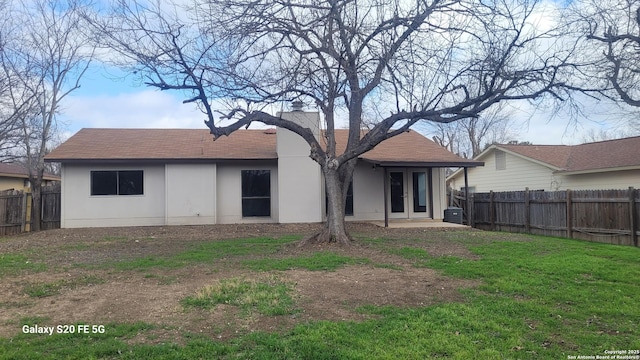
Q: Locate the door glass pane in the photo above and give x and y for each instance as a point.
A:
(419, 192)
(397, 192)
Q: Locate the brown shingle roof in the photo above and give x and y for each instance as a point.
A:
(196, 144)
(164, 144)
(409, 147)
(19, 171)
(602, 155)
(554, 155)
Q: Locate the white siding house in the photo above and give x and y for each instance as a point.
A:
(127, 177)
(612, 164)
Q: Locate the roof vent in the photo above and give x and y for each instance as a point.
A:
(297, 105)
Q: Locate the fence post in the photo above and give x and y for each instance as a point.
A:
(492, 212)
(472, 211)
(527, 211)
(632, 216)
(23, 223)
(29, 224)
(569, 215)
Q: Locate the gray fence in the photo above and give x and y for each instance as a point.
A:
(608, 216)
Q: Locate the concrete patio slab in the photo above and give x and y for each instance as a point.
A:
(427, 223)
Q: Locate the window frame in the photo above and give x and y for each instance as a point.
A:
(246, 199)
(119, 188)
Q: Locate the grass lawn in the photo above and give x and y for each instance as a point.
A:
(537, 298)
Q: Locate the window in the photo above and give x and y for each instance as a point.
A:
(124, 182)
(501, 160)
(256, 193)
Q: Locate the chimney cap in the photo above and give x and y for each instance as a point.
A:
(297, 105)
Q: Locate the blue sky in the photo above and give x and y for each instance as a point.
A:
(109, 99)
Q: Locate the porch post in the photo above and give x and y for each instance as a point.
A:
(385, 194)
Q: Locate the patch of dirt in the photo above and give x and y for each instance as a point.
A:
(153, 296)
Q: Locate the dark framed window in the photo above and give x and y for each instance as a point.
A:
(117, 182)
(256, 193)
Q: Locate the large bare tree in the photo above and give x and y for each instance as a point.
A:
(422, 60)
(49, 54)
(469, 137)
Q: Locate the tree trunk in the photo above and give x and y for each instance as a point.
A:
(36, 209)
(334, 229)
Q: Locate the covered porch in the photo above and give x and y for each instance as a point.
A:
(409, 190)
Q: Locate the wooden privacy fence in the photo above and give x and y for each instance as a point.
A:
(16, 210)
(51, 206)
(609, 216)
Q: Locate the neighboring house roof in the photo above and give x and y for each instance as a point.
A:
(19, 171)
(553, 155)
(195, 144)
(601, 156)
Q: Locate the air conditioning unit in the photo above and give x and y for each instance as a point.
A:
(453, 215)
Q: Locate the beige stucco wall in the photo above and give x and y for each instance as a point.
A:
(80, 209)
(190, 194)
(229, 193)
(368, 190)
(300, 186)
(439, 193)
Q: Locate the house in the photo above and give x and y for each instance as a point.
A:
(16, 177)
(126, 177)
(611, 164)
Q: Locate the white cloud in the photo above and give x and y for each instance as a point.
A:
(546, 125)
(144, 109)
